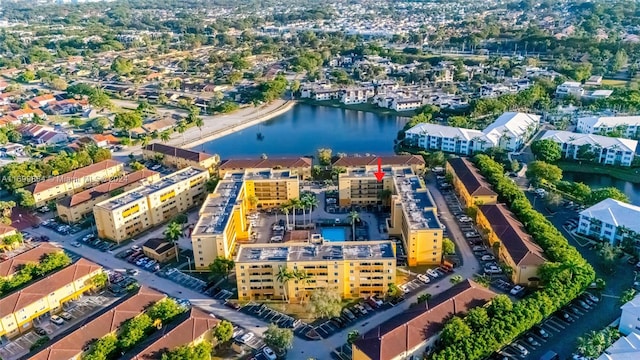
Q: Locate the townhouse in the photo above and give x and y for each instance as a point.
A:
(32, 256)
(610, 220)
(353, 269)
(471, 187)
(597, 148)
(222, 222)
(67, 184)
(628, 126)
(570, 88)
(414, 217)
(74, 208)
(180, 158)
(19, 309)
(300, 165)
(356, 95)
(515, 247)
(414, 332)
(136, 210)
(510, 132)
(73, 345)
(41, 101)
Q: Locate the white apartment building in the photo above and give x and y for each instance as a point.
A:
(570, 88)
(357, 95)
(629, 125)
(399, 104)
(630, 317)
(611, 220)
(510, 131)
(604, 150)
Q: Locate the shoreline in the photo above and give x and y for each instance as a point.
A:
(259, 118)
(631, 175)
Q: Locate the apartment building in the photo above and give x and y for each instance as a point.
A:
(411, 333)
(630, 317)
(73, 344)
(597, 148)
(610, 220)
(74, 208)
(570, 88)
(134, 211)
(223, 221)
(628, 126)
(300, 166)
(19, 309)
(414, 218)
(510, 132)
(517, 248)
(354, 269)
(6, 230)
(359, 185)
(416, 162)
(67, 184)
(467, 182)
(13, 264)
(180, 158)
(356, 95)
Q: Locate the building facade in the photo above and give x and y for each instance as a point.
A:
(610, 220)
(467, 182)
(134, 211)
(300, 166)
(180, 158)
(596, 148)
(626, 126)
(353, 269)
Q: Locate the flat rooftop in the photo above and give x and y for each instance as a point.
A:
(417, 203)
(370, 173)
(267, 174)
(217, 208)
(373, 250)
(146, 190)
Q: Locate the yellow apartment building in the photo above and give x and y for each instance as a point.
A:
(19, 309)
(472, 188)
(415, 162)
(74, 208)
(517, 248)
(6, 230)
(67, 184)
(359, 186)
(180, 158)
(414, 219)
(10, 266)
(223, 216)
(300, 166)
(354, 269)
(134, 211)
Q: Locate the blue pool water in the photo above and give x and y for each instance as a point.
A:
(334, 234)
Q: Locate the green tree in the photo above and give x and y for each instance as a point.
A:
(133, 331)
(604, 193)
(202, 351)
(352, 336)
(455, 330)
(122, 66)
(325, 303)
(627, 295)
(25, 198)
(165, 136)
(127, 121)
(173, 233)
(223, 332)
(100, 280)
(448, 246)
(458, 121)
(324, 156)
(137, 166)
(353, 218)
(165, 310)
(540, 170)
(277, 338)
(546, 150)
(221, 267)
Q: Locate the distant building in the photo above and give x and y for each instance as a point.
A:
(357, 95)
(180, 158)
(570, 88)
(600, 149)
(610, 220)
(628, 126)
(467, 182)
(630, 318)
(159, 249)
(301, 166)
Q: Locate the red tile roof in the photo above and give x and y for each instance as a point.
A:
(351, 161)
(265, 163)
(72, 175)
(178, 152)
(415, 326)
(36, 291)
(475, 184)
(72, 344)
(11, 265)
(5, 229)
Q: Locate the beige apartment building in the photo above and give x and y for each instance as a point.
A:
(414, 218)
(359, 186)
(69, 183)
(415, 162)
(300, 166)
(134, 211)
(354, 269)
(223, 216)
(73, 208)
(180, 158)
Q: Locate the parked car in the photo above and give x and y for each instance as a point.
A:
(404, 289)
(471, 234)
(432, 273)
(424, 278)
(76, 244)
(349, 314)
(40, 331)
(583, 305)
(465, 219)
(65, 315)
(492, 270)
(487, 258)
(541, 332)
(521, 349)
(136, 248)
(516, 290)
(532, 341)
(247, 337)
(270, 354)
(591, 297)
(565, 316)
(478, 248)
(133, 272)
(56, 320)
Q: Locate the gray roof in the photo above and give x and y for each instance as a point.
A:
(616, 213)
(361, 250)
(578, 139)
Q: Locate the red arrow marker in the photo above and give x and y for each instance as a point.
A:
(379, 174)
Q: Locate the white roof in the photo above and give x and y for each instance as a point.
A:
(514, 123)
(617, 213)
(447, 131)
(567, 137)
(625, 348)
(571, 84)
(632, 306)
(609, 121)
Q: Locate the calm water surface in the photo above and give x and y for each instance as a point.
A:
(599, 181)
(306, 128)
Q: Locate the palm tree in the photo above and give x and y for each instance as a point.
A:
(199, 122)
(144, 141)
(253, 201)
(304, 199)
(181, 128)
(172, 233)
(295, 203)
(353, 217)
(384, 196)
(285, 209)
(283, 277)
(165, 136)
(303, 278)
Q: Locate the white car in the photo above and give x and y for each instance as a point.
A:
(492, 270)
(516, 290)
(247, 337)
(487, 258)
(56, 320)
(521, 349)
(465, 219)
(270, 354)
(433, 273)
(424, 278)
(136, 248)
(404, 289)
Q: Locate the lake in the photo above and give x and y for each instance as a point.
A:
(306, 128)
(599, 181)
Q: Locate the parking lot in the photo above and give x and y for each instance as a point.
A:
(272, 316)
(181, 278)
(78, 310)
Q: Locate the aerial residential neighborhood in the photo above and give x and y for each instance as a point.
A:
(306, 180)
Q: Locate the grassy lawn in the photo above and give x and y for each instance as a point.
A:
(622, 173)
(359, 107)
(614, 83)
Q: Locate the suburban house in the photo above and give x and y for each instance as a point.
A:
(20, 308)
(159, 249)
(415, 331)
(67, 184)
(628, 126)
(510, 132)
(41, 101)
(570, 88)
(517, 248)
(597, 148)
(467, 182)
(180, 158)
(356, 95)
(300, 165)
(610, 220)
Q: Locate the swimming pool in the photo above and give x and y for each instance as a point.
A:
(334, 234)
